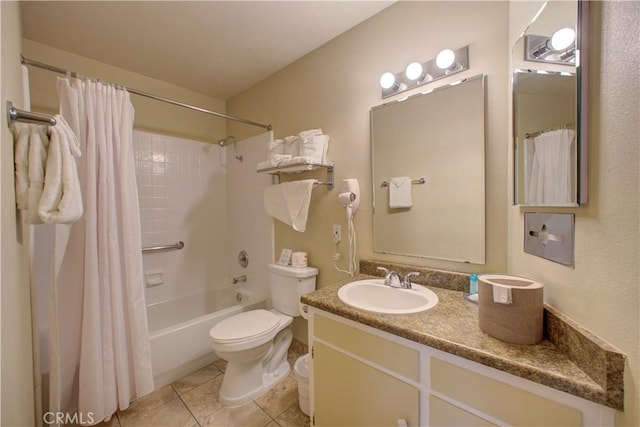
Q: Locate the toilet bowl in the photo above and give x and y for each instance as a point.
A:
(255, 342)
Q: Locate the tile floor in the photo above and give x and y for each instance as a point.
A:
(192, 401)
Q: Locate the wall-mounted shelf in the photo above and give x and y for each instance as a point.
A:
(298, 167)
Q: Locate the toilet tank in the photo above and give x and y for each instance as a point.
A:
(288, 284)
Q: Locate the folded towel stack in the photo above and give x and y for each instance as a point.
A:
(276, 152)
(314, 145)
(309, 146)
(47, 184)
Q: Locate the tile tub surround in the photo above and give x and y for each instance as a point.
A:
(452, 326)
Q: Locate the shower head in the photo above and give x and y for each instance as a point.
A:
(226, 141)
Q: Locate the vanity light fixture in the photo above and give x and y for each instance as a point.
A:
(415, 71)
(388, 81)
(446, 59)
(559, 48)
(446, 63)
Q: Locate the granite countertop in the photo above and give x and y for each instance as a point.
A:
(452, 326)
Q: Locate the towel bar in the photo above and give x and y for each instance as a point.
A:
(276, 171)
(15, 115)
(414, 181)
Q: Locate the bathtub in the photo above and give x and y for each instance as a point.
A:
(179, 330)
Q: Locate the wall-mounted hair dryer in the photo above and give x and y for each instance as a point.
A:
(349, 196)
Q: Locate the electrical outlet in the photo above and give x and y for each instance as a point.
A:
(336, 234)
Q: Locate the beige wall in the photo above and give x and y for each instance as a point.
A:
(602, 292)
(16, 354)
(151, 115)
(334, 88)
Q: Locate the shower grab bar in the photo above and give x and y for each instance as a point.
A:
(175, 246)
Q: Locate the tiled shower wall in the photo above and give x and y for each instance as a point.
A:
(183, 197)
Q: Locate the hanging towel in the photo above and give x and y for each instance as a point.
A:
(289, 202)
(400, 192)
(38, 147)
(61, 200)
(21, 134)
(502, 294)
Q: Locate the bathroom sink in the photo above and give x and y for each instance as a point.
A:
(373, 295)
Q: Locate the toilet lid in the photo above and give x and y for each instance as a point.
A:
(245, 325)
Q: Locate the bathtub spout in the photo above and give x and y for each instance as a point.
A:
(242, 278)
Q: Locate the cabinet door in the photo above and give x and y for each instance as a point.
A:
(514, 406)
(349, 392)
(444, 414)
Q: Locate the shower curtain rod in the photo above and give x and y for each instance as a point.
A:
(48, 67)
(540, 132)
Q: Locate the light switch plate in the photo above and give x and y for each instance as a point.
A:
(550, 236)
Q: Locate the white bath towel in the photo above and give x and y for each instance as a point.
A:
(314, 147)
(292, 145)
(277, 159)
(289, 202)
(21, 135)
(38, 147)
(309, 133)
(61, 200)
(276, 151)
(400, 192)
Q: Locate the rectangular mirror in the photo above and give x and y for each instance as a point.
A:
(549, 108)
(438, 137)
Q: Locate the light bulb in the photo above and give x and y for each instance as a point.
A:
(445, 59)
(387, 80)
(413, 71)
(563, 38)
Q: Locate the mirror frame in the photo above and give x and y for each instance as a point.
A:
(582, 113)
(582, 44)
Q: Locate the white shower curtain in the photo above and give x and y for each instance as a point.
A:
(549, 174)
(100, 354)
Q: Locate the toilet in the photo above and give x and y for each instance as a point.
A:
(255, 342)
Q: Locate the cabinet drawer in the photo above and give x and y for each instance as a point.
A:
(499, 400)
(387, 354)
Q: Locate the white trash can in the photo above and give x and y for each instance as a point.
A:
(301, 368)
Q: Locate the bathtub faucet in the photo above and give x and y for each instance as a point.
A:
(242, 278)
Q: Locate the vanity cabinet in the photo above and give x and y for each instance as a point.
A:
(346, 362)
(362, 376)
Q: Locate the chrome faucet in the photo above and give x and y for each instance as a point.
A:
(406, 283)
(242, 278)
(391, 278)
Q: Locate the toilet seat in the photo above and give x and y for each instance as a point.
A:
(245, 326)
